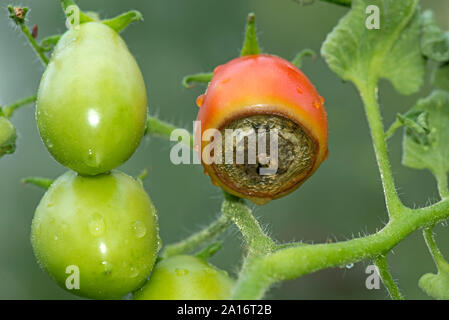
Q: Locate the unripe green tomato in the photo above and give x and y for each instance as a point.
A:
(7, 137)
(105, 227)
(186, 277)
(92, 107)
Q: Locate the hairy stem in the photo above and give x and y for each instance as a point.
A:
(442, 183)
(10, 109)
(257, 241)
(293, 262)
(197, 239)
(156, 127)
(387, 279)
(437, 256)
(369, 96)
(392, 129)
(37, 48)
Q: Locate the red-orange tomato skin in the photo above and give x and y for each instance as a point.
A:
(263, 84)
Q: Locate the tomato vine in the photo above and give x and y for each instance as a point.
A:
(398, 52)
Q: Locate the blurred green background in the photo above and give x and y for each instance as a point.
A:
(342, 200)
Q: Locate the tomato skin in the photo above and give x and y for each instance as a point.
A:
(105, 225)
(263, 84)
(92, 106)
(186, 277)
(7, 136)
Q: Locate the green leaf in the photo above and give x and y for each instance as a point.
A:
(429, 148)
(364, 55)
(434, 42)
(440, 78)
(435, 285)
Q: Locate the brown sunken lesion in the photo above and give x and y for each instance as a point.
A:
(296, 156)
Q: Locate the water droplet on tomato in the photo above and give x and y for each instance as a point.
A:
(200, 101)
(299, 89)
(92, 158)
(322, 100)
(49, 144)
(139, 229)
(317, 104)
(210, 271)
(107, 268)
(38, 230)
(181, 272)
(96, 225)
(224, 81)
(133, 272)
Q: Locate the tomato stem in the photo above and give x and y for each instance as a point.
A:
(257, 241)
(156, 127)
(297, 61)
(392, 129)
(437, 256)
(368, 92)
(199, 238)
(18, 15)
(296, 261)
(9, 110)
(387, 279)
(204, 77)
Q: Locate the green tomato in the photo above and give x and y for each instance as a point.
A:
(100, 230)
(186, 278)
(7, 137)
(92, 107)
